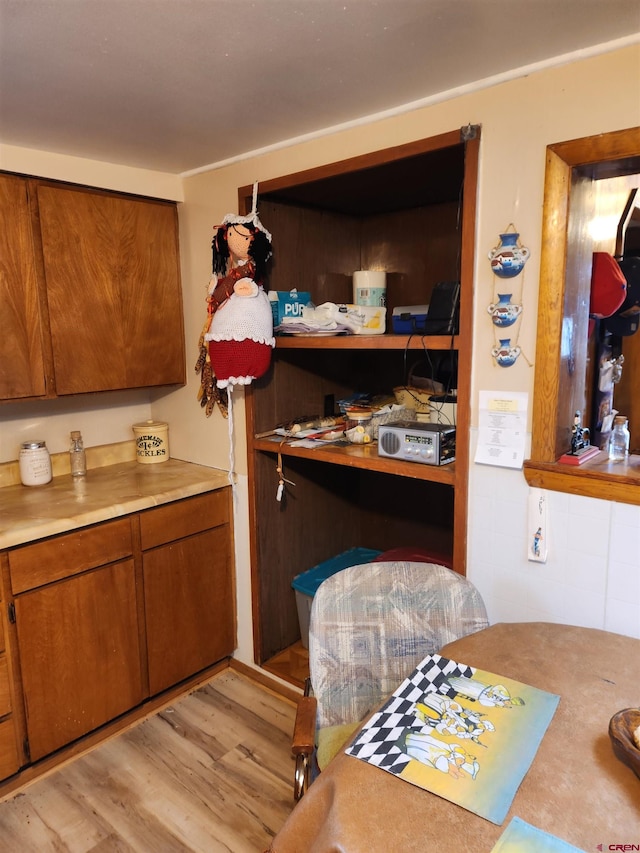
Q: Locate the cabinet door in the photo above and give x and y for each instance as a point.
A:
(9, 761)
(9, 756)
(79, 654)
(189, 606)
(113, 288)
(21, 358)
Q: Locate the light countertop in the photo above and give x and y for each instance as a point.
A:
(28, 513)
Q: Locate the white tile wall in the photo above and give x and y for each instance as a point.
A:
(622, 612)
(592, 574)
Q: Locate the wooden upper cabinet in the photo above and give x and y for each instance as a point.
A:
(112, 276)
(22, 371)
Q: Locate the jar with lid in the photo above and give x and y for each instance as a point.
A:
(77, 457)
(358, 427)
(619, 440)
(34, 463)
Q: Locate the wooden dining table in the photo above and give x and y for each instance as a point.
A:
(575, 789)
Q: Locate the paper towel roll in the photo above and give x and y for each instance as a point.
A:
(370, 287)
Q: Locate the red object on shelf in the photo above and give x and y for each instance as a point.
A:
(416, 555)
(608, 286)
(579, 458)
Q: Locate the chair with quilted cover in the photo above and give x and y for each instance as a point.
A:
(370, 625)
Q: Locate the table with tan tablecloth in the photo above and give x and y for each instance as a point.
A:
(575, 788)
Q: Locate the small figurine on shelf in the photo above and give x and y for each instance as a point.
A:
(579, 435)
(581, 448)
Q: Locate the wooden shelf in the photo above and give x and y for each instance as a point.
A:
(598, 478)
(386, 342)
(382, 213)
(361, 456)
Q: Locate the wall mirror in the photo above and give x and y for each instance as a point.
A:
(588, 181)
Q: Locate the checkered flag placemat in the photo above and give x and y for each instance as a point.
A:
(377, 742)
(404, 739)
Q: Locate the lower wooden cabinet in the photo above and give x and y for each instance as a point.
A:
(187, 574)
(9, 758)
(95, 637)
(5, 690)
(79, 655)
(189, 622)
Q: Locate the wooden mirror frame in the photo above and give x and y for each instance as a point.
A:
(561, 305)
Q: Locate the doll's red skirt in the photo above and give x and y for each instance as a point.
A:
(238, 362)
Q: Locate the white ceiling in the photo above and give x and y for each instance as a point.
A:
(176, 85)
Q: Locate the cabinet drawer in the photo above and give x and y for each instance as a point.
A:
(34, 565)
(184, 518)
(5, 694)
(9, 761)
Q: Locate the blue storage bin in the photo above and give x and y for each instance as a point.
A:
(306, 584)
(409, 319)
(408, 324)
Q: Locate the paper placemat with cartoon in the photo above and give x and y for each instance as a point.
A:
(462, 733)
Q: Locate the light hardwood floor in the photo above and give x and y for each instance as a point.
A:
(212, 772)
(291, 665)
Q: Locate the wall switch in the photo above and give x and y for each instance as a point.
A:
(537, 538)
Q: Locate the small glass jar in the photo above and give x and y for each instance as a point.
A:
(619, 440)
(358, 427)
(34, 463)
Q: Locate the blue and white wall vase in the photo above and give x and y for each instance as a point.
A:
(504, 312)
(508, 257)
(504, 353)
(507, 262)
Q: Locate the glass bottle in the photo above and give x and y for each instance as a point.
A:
(619, 440)
(77, 455)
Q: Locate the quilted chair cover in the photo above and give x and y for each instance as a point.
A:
(371, 624)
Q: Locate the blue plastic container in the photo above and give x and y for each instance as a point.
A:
(306, 584)
(408, 324)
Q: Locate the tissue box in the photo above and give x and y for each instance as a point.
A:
(287, 303)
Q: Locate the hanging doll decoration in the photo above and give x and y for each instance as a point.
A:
(237, 338)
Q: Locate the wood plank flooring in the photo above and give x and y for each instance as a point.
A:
(212, 772)
(292, 664)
